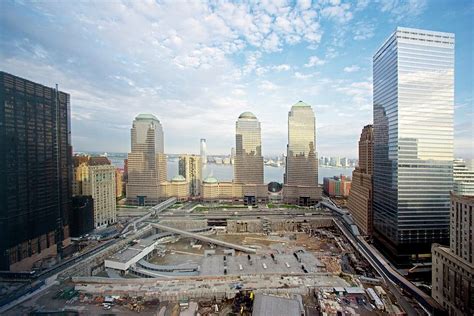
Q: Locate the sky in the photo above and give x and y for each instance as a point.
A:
(197, 65)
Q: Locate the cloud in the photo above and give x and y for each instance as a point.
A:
(363, 30)
(337, 11)
(362, 4)
(267, 86)
(314, 61)
(299, 75)
(304, 4)
(403, 9)
(359, 93)
(282, 67)
(352, 68)
(198, 65)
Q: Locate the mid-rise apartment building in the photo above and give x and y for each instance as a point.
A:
(95, 176)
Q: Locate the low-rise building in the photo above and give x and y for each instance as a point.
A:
(250, 194)
(178, 187)
(301, 195)
(337, 186)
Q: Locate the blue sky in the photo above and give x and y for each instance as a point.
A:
(198, 65)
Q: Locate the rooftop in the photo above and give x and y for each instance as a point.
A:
(210, 180)
(96, 161)
(178, 178)
(274, 305)
(90, 161)
(146, 116)
(301, 103)
(247, 115)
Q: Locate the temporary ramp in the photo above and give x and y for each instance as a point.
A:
(204, 238)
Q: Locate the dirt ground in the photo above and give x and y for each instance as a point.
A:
(324, 248)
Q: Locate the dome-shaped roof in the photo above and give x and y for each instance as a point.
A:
(210, 180)
(301, 103)
(247, 115)
(178, 178)
(145, 116)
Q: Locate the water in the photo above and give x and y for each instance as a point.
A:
(226, 172)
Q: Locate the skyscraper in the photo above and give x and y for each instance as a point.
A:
(301, 160)
(413, 91)
(301, 172)
(35, 172)
(203, 151)
(248, 166)
(146, 161)
(190, 167)
(361, 195)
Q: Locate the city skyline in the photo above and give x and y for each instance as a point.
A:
(202, 72)
(293, 157)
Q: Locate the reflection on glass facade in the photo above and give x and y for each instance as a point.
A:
(146, 161)
(301, 161)
(413, 75)
(35, 171)
(248, 163)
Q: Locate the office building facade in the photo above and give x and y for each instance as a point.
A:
(301, 172)
(361, 195)
(35, 172)
(146, 165)
(248, 162)
(453, 267)
(95, 176)
(301, 159)
(413, 95)
(190, 167)
(463, 178)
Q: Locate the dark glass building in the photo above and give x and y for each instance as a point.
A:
(82, 216)
(35, 172)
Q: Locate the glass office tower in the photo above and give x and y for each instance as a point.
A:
(248, 166)
(146, 161)
(413, 90)
(301, 159)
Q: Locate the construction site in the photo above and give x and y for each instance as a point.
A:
(223, 262)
